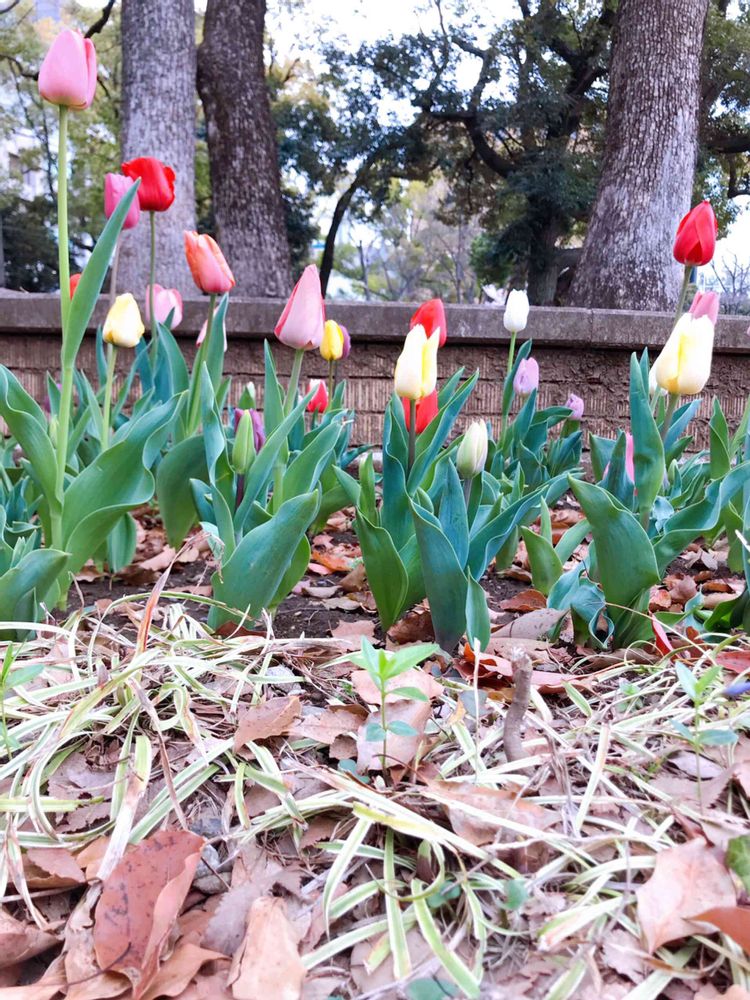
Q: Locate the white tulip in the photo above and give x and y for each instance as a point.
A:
(516, 313)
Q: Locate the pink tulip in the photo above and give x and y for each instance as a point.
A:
(575, 405)
(165, 301)
(347, 341)
(116, 186)
(67, 76)
(301, 323)
(527, 377)
(705, 304)
(209, 269)
(259, 432)
(629, 456)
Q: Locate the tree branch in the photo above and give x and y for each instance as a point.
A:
(101, 21)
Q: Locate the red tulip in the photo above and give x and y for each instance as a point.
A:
(301, 323)
(431, 315)
(696, 236)
(116, 187)
(74, 279)
(319, 402)
(427, 409)
(209, 269)
(67, 75)
(156, 192)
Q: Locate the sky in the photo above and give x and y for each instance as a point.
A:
(367, 20)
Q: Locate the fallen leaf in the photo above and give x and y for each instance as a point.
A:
(623, 953)
(160, 561)
(272, 717)
(496, 806)
(687, 879)
(362, 628)
(659, 599)
(416, 626)
(140, 902)
(494, 668)
(328, 725)
(182, 965)
(19, 940)
(355, 580)
(534, 625)
(733, 993)
(736, 660)
(51, 868)
(733, 921)
(267, 965)
(526, 601)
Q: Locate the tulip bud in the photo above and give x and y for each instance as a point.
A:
(684, 364)
(74, 280)
(319, 402)
(695, 241)
(575, 405)
(516, 312)
(247, 400)
(209, 269)
(301, 323)
(243, 449)
(431, 316)
(67, 76)
(472, 452)
(166, 301)
(416, 369)
(116, 186)
(347, 342)
(123, 326)
(332, 344)
(526, 379)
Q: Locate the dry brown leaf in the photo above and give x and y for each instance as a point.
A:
(82, 969)
(51, 868)
(534, 625)
(140, 902)
(623, 953)
(211, 987)
(267, 964)
(495, 802)
(362, 628)
(50, 986)
(175, 974)
(272, 717)
(19, 941)
(416, 626)
(525, 601)
(687, 879)
(734, 921)
(326, 726)
(414, 678)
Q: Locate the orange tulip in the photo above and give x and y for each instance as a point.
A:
(210, 271)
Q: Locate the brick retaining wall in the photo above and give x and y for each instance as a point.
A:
(584, 351)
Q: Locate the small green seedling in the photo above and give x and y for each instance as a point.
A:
(383, 666)
(699, 690)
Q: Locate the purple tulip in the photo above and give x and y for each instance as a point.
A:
(575, 405)
(347, 341)
(259, 433)
(527, 377)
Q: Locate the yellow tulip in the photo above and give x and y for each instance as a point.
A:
(123, 326)
(684, 365)
(332, 344)
(416, 369)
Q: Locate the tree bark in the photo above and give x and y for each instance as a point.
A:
(649, 160)
(158, 119)
(241, 132)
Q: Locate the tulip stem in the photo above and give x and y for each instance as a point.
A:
(66, 390)
(331, 378)
(511, 359)
(674, 398)
(291, 392)
(152, 277)
(468, 483)
(107, 405)
(412, 432)
(688, 270)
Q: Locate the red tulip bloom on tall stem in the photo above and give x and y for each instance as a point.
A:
(695, 244)
(155, 194)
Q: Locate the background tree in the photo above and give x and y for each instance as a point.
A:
(650, 153)
(247, 204)
(158, 119)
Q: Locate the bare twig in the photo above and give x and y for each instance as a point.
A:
(512, 742)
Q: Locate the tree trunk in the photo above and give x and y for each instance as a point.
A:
(544, 267)
(244, 164)
(158, 119)
(649, 158)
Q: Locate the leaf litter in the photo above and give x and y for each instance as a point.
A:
(258, 850)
